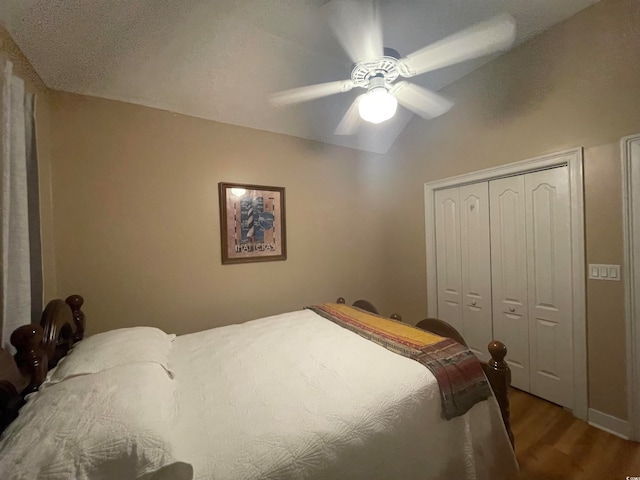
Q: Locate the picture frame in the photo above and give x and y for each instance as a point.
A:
(252, 223)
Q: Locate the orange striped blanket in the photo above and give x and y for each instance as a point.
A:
(458, 372)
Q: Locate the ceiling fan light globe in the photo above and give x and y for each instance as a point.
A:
(377, 106)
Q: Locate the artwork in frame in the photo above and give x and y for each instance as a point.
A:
(252, 223)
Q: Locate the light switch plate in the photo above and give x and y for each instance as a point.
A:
(599, 271)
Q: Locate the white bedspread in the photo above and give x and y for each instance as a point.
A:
(113, 424)
(295, 396)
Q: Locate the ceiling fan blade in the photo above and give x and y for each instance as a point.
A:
(350, 121)
(421, 101)
(310, 92)
(358, 28)
(493, 35)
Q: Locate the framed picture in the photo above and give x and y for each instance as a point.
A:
(252, 223)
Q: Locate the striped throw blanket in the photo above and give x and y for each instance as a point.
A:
(458, 372)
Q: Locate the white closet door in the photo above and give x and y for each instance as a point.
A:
(549, 284)
(448, 256)
(509, 274)
(476, 268)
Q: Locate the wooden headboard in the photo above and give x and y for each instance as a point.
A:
(38, 349)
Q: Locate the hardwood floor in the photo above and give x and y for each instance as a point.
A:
(552, 444)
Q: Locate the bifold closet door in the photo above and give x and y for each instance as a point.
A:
(476, 268)
(509, 274)
(531, 280)
(550, 284)
(463, 263)
(449, 273)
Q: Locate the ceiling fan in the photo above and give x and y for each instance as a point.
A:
(377, 69)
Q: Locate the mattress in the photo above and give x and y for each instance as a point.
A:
(295, 396)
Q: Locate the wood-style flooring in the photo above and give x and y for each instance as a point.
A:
(552, 444)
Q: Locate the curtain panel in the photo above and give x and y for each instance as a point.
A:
(17, 142)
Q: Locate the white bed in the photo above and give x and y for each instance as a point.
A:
(292, 396)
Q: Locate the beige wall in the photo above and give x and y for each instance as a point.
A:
(135, 192)
(605, 300)
(576, 85)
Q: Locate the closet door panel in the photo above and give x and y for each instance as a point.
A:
(476, 268)
(509, 274)
(549, 284)
(447, 204)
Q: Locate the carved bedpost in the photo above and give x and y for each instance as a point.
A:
(396, 316)
(341, 300)
(76, 302)
(30, 356)
(499, 376)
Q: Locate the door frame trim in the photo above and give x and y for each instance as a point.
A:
(630, 149)
(573, 159)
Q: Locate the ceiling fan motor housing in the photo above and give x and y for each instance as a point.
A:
(384, 68)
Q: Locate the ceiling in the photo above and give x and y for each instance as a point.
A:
(220, 59)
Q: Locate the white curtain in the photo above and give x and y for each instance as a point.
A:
(16, 277)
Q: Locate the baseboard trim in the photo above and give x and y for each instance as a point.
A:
(609, 423)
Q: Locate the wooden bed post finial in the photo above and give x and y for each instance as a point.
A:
(500, 380)
(76, 302)
(341, 300)
(498, 351)
(30, 356)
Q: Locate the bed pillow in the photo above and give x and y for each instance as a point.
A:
(123, 346)
(113, 424)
